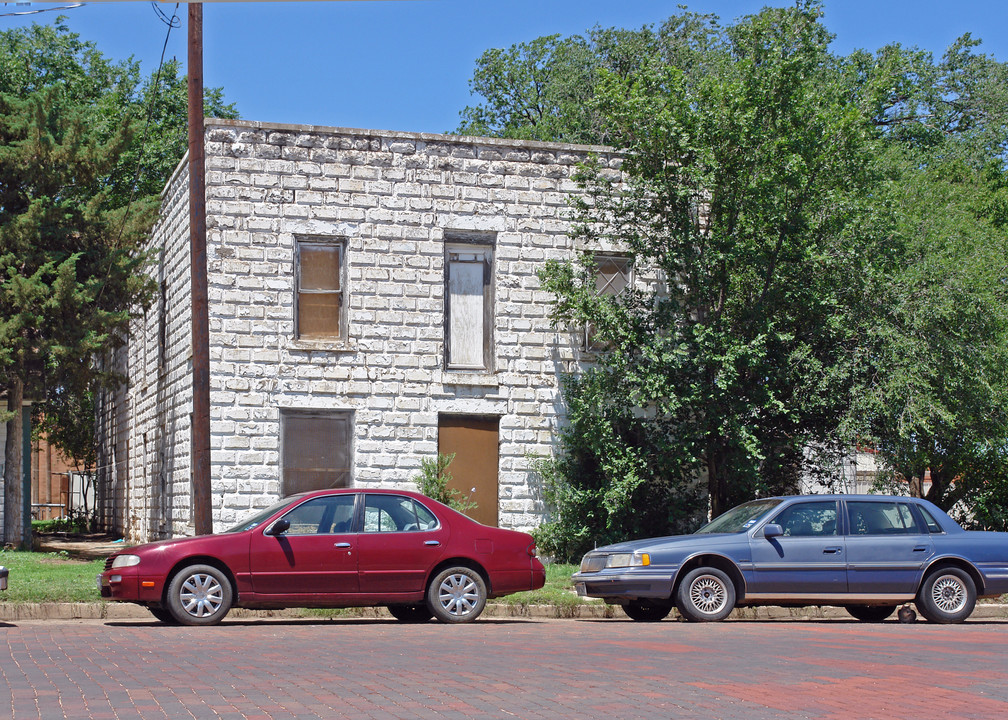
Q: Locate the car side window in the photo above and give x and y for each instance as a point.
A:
(929, 520)
(328, 515)
(425, 517)
(810, 519)
(395, 513)
(881, 518)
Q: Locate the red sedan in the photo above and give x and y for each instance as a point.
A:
(331, 548)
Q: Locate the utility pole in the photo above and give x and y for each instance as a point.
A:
(200, 450)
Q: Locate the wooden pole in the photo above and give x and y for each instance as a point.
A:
(200, 456)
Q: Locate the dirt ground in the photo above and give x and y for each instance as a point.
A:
(83, 546)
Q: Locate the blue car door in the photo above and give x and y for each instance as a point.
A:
(807, 559)
(886, 547)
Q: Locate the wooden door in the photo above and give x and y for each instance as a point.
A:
(473, 440)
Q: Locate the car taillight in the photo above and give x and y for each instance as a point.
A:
(532, 549)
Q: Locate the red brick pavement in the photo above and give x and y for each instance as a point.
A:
(502, 668)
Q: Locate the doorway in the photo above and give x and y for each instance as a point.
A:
(473, 440)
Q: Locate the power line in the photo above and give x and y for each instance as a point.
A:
(40, 10)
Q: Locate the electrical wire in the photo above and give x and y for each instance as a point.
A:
(42, 10)
(172, 22)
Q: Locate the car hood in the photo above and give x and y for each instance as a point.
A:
(162, 546)
(707, 539)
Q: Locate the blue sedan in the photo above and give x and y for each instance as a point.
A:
(867, 553)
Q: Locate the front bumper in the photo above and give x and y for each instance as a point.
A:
(623, 585)
(120, 584)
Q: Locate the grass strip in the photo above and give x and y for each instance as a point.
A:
(49, 577)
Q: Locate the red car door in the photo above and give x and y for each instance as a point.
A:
(400, 542)
(316, 555)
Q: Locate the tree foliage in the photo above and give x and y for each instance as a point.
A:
(79, 178)
(819, 250)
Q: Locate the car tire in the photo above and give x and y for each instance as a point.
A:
(706, 594)
(163, 614)
(870, 613)
(457, 595)
(642, 612)
(199, 595)
(947, 595)
(410, 613)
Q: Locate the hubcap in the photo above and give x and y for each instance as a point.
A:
(949, 594)
(201, 595)
(708, 594)
(458, 594)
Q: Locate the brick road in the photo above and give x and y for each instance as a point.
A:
(502, 668)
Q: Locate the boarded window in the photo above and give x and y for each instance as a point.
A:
(319, 268)
(469, 307)
(315, 448)
(612, 278)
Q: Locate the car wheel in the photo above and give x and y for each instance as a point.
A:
(410, 613)
(646, 613)
(199, 595)
(870, 613)
(163, 614)
(457, 595)
(947, 595)
(705, 595)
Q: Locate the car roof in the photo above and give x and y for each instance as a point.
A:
(342, 491)
(847, 496)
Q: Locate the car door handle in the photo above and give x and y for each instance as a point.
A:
(342, 545)
(920, 548)
(832, 550)
(432, 543)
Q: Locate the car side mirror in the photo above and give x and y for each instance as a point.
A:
(772, 530)
(279, 527)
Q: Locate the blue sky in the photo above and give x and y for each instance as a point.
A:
(405, 65)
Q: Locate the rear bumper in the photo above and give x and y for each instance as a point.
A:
(505, 582)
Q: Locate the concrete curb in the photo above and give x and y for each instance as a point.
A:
(14, 612)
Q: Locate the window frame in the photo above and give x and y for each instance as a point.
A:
(340, 292)
(805, 504)
(401, 499)
(347, 416)
(587, 342)
(477, 247)
(919, 526)
(329, 504)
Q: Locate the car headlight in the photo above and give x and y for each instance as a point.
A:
(125, 561)
(619, 560)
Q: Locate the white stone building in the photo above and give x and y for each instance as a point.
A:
(373, 300)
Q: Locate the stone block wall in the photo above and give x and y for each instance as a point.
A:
(394, 199)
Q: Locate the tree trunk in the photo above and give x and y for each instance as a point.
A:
(916, 483)
(717, 484)
(12, 466)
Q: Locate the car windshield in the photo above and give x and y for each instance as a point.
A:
(253, 520)
(740, 517)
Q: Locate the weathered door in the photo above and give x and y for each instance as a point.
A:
(473, 439)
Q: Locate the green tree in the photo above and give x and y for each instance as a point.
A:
(85, 148)
(820, 243)
(936, 401)
(68, 260)
(545, 89)
(743, 200)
